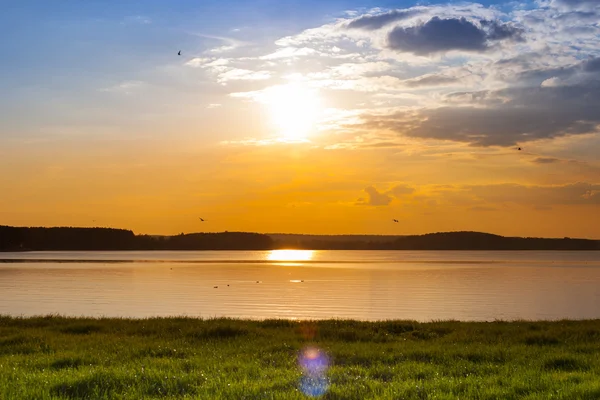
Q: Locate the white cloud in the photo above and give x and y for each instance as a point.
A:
(242, 74)
(552, 82)
(288, 52)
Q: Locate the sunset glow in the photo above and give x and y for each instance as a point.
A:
(303, 117)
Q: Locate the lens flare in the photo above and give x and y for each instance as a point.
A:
(313, 363)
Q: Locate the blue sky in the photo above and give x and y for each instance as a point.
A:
(77, 35)
(62, 49)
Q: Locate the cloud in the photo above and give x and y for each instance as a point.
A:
(500, 31)
(198, 62)
(225, 72)
(289, 52)
(441, 35)
(374, 198)
(577, 3)
(545, 160)
(379, 145)
(591, 194)
(504, 117)
(570, 194)
(242, 74)
(592, 65)
(571, 73)
(372, 22)
(401, 190)
(552, 82)
(378, 198)
(371, 65)
(431, 80)
(497, 196)
(230, 43)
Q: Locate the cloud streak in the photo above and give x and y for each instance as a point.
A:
(373, 22)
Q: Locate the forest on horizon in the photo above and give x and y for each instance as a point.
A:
(90, 239)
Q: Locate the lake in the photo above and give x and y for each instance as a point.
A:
(302, 284)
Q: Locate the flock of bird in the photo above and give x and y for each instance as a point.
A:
(217, 286)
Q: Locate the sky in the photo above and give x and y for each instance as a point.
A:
(321, 117)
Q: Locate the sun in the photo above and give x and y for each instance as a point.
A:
(294, 110)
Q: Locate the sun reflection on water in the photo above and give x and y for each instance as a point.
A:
(290, 255)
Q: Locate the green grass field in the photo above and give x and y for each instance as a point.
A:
(72, 358)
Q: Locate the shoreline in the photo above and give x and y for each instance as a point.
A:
(178, 318)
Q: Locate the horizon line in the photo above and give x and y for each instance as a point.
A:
(306, 234)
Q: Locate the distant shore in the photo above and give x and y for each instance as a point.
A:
(17, 239)
(77, 358)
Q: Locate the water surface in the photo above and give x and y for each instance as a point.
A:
(368, 285)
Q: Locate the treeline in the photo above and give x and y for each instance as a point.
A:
(436, 241)
(67, 238)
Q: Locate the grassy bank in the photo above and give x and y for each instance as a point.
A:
(67, 358)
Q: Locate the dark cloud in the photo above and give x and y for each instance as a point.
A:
(438, 35)
(505, 117)
(592, 65)
(577, 3)
(500, 31)
(373, 22)
(535, 77)
(441, 35)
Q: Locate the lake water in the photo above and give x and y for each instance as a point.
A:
(367, 285)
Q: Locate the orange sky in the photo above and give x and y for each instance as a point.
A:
(297, 188)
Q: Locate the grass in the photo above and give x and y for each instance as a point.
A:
(75, 358)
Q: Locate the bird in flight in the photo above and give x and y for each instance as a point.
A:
(179, 53)
(201, 219)
(395, 220)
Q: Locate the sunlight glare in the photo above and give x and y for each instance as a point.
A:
(294, 110)
(290, 255)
